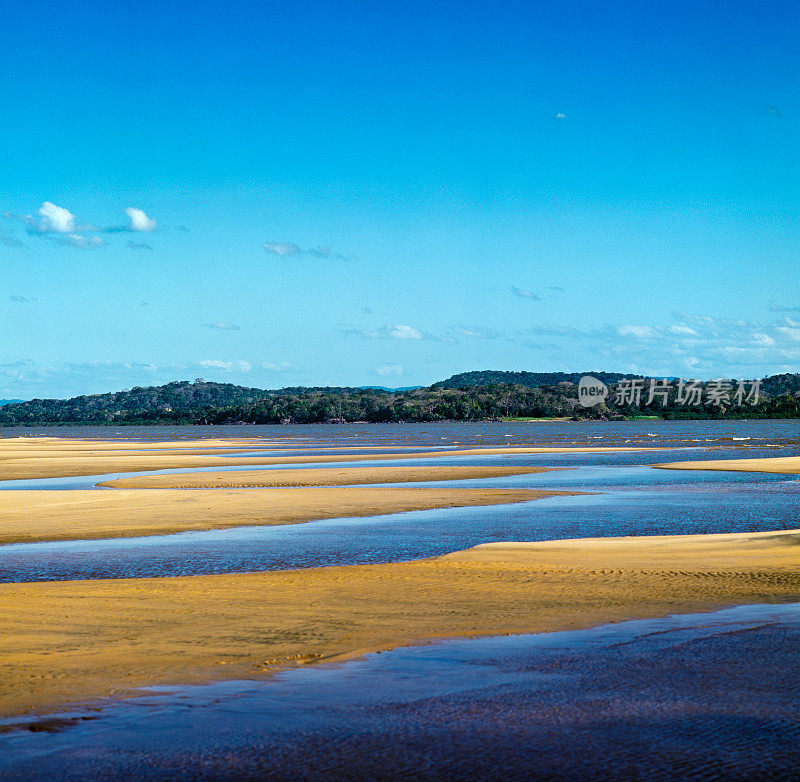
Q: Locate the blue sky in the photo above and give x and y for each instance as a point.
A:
(378, 194)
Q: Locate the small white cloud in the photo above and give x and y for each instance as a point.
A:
(399, 331)
(560, 115)
(281, 248)
(83, 242)
(283, 366)
(139, 221)
(386, 370)
(639, 332)
(226, 366)
(54, 219)
(404, 332)
(476, 332)
(219, 326)
(682, 328)
(290, 248)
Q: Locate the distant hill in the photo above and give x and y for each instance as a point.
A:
(176, 402)
(781, 384)
(470, 396)
(9, 401)
(489, 377)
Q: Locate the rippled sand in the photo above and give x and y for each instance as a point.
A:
(87, 639)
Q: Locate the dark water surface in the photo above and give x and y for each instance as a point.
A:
(565, 433)
(695, 697)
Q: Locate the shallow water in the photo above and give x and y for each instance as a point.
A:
(624, 500)
(672, 698)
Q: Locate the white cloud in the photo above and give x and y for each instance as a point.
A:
(476, 332)
(280, 248)
(639, 332)
(404, 332)
(707, 346)
(54, 219)
(286, 249)
(398, 331)
(225, 366)
(682, 328)
(387, 370)
(283, 366)
(139, 221)
(83, 242)
(220, 326)
(560, 115)
(790, 332)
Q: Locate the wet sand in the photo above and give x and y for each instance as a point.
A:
(320, 476)
(100, 638)
(655, 699)
(789, 465)
(45, 515)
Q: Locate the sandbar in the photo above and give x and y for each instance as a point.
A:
(318, 476)
(62, 642)
(789, 465)
(83, 514)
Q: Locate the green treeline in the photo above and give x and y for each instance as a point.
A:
(490, 396)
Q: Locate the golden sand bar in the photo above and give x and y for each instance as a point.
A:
(317, 476)
(781, 464)
(32, 516)
(28, 459)
(63, 642)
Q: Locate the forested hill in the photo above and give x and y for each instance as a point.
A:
(174, 402)
(488, 377)
(222, 403)
(781, 384)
